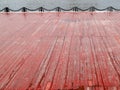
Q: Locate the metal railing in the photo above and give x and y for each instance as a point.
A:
(59, 9)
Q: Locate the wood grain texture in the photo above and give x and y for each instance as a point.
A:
(60, 51)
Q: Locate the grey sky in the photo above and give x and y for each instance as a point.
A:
(15, 4)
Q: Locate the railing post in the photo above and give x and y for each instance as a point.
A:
(58, 9)
(110, 9)
(24, 9)
(7, 9)
(75, 9)
(41, 9)
(92, 9)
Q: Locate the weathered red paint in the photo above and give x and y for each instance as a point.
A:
(65, 50)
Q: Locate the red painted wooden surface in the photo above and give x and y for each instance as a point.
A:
(51, 51)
